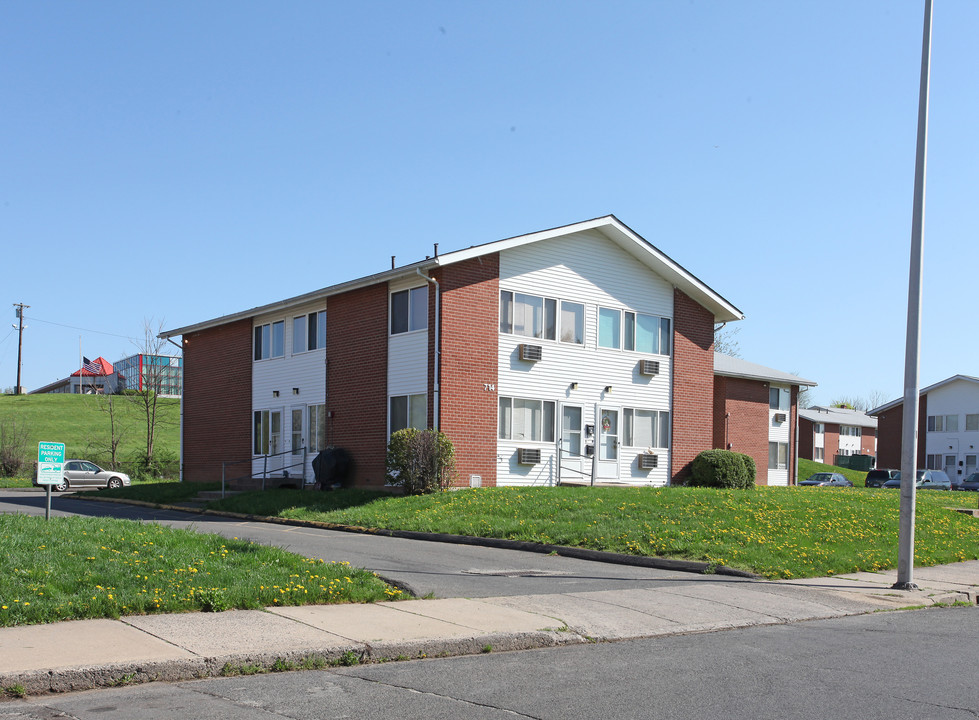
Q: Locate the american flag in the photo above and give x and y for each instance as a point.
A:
(93, 367)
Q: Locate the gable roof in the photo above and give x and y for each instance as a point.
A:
(838, 416)
(609, 226)
(923, 391)
(728, 366)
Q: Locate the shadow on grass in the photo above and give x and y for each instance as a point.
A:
(273, 503)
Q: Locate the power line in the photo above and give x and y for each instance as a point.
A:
(87, 330)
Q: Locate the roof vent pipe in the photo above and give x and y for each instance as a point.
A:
(392, 262)
(436, 249)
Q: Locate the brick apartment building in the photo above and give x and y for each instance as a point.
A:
(825, 432)
(558, 356)
(948, 428)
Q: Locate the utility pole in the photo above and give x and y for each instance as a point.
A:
(909, 435)
(19, 312)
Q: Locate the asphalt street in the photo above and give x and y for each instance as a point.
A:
(893, 665)
(439, 569)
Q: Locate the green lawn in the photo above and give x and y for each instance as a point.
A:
(73, 568)
(776, 532)
(82, 423)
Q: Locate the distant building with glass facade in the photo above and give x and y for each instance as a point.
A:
(162, 373)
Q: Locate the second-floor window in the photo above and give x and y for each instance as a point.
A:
(409, 310)
(270, 340)
(943, 423)
(309, 332)
(633, 331)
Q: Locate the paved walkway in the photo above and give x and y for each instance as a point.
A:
(85, 654)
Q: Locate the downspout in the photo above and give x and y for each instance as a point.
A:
(436, 393)
(181, 409)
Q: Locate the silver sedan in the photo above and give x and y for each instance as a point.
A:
(82, 473)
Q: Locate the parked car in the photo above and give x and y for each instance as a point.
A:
(876, 478)
(82, 473)
(827, 479)
(926, 480)
(971, 482)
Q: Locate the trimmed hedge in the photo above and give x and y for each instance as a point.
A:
(723, 469)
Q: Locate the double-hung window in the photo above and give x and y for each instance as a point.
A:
(646, 428)
(409, 310)
(270, 340)
(409, 411)
(972, 423)
(526, 419)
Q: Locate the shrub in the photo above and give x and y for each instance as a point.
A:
(164, 463)
(15, 446)
(420, 461)
(723, 469)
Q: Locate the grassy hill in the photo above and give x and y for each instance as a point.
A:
(82, 423)
(809, 467)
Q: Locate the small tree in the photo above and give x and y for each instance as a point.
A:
(117, 430)
(147, 399)
(726, 341)
(420, 461)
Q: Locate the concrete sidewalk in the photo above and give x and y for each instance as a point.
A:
(97, 653)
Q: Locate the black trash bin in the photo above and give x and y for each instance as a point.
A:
(333, 467)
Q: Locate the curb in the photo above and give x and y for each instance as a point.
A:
(60, 680)
(689, 566)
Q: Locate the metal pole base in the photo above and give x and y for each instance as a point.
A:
(904, 586)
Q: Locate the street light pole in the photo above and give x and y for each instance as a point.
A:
(909, 436)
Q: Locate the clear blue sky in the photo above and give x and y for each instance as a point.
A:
(177, 161)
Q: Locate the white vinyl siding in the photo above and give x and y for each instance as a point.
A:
(586, 270)
(294, 381)
(779, 402)
(407, 372)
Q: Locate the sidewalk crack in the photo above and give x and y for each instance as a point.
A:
(429, 693)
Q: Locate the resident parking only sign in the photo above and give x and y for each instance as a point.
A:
(50, 463)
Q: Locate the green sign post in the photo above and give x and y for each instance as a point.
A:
(50, 468)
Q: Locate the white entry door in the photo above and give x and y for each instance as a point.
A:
(275, 439)
(608, 443)
(571, 445)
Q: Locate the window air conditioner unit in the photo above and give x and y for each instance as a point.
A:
(649, 367)
(648, 462)
(528, 456)
(530, 352)
(779, 417)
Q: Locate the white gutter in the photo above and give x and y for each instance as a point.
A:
(436, 391)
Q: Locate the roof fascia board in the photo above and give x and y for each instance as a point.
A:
(801, 382)
(322, 293)
(922, 391)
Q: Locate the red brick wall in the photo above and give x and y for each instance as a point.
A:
(831, 442)
(806, 442)
(693, 382)
(889, 431)
(793, 435)
(741, 420)
(217, 401)
(356, 379)
(470, 340)
(867, 437)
